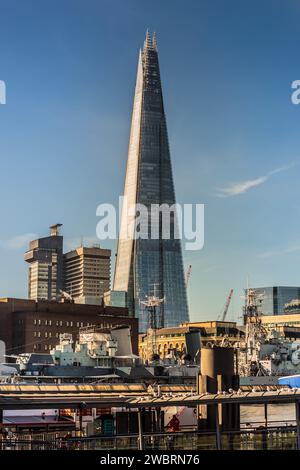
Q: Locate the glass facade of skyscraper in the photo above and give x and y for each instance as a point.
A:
(274, 299)
(147, 267)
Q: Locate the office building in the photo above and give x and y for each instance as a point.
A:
(274, 300)
(173, 341)
(87, 274)
(288, 325)
(45, 258)
(145, 266)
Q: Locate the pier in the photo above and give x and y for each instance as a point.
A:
(138, 398)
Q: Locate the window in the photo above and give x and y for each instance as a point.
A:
(61, 323)
(39, 334)
(40, 322)
(46, 347)
(34, 334)
(56, 335)
(71, 323)
(50, 322)
(34, 321)
(46, 334)
(67, 323)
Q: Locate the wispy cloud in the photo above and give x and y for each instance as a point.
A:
(284, 251)
(241, 187)
(19, 241)
(210, 269)
(72, 243)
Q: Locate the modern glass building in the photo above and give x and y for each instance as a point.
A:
(144, 266)
(274, 299)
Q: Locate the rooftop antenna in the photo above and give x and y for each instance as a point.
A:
(54, 230)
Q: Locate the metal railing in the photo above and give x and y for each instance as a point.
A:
(277, 438)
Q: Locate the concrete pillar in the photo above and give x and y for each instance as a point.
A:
(157, 419)
(266, 414)
(218, 431)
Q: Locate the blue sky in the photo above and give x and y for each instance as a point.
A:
(227, 68)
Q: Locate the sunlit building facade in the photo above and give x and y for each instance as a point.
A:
(87, 274)
(45, 274)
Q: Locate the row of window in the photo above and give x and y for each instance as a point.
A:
(38, 347)
(47, 334)
(61, 323)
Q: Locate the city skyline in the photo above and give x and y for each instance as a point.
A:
(233, 132)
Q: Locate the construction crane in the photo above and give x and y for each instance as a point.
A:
(188, 275)
(223, 314)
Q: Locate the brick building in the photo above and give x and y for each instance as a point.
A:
(34, 326)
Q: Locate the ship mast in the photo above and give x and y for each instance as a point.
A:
(151, 303)
(254, 330)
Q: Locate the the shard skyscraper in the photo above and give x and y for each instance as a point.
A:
(147, 267)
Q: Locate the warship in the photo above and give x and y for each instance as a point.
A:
(265, 351)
